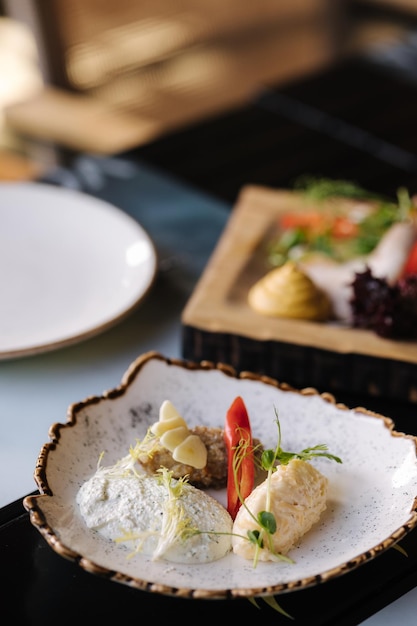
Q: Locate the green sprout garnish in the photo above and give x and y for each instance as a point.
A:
(272, 602)
(400, 549)
(145, 447)
(324, 188)
(299, 241)
(271, 457)
(175, 524)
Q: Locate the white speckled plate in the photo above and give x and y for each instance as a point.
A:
(372, 501)
(71, 266)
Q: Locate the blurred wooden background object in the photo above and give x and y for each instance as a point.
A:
(118, 74)
(133, 71)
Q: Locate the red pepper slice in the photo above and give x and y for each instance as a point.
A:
(241, 465)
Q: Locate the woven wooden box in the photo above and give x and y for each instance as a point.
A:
(219, 325)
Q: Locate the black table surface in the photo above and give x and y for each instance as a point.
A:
(356, 121)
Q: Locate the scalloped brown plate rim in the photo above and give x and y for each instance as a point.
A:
(33, 503)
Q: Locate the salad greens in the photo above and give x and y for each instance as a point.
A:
(338, 232)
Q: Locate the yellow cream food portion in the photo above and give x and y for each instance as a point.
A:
(287, 291)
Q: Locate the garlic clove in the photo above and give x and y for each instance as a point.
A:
(167, 411)
(172, 438)
(191, 451)
(159, 428)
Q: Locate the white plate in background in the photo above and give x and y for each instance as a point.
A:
(71, 266)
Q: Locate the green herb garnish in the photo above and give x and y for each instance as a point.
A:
(365, 229)
(324, 188)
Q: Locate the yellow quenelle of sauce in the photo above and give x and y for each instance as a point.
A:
(287, 291)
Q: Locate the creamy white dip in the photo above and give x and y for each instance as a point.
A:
(143, 514)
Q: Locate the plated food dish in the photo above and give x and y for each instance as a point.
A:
(71, 266)
(219, 322)
(357, 249)
(371, 503)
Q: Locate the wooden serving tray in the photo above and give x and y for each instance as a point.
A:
(219, 324)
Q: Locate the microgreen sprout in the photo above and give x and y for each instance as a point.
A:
(271, 601)
(145, 447)
(271, 457)
(242, 450)
(175, 524)
(400, 549)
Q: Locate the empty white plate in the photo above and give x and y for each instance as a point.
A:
(71, 266)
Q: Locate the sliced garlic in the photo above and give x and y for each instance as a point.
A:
(167, 411)
(191, 451)
(159, 428)
(172, 438)
(175, 436)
